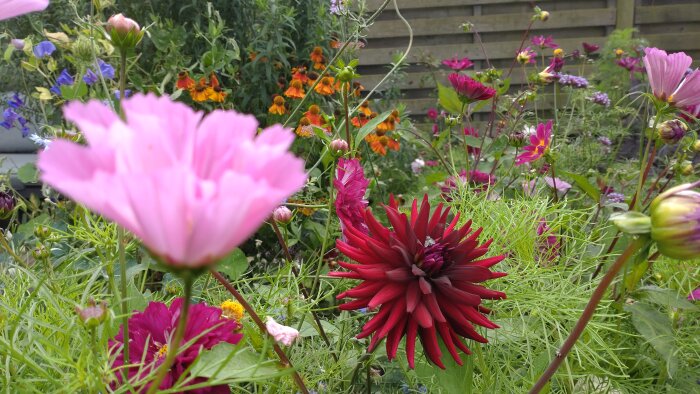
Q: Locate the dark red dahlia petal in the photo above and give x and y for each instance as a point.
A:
(489, 262)
(387, 293)
(420, 221)
(453, 294)
(394, 338)
(397, 313)
(444, 330)
(411, 332)
(458, 341)
(428, 338)
(401, 274)
(422, 315)
(481, 291)
(424, 285)
(458, 273)
(375, 322)
(376, 229)
(496, 275)
(349, 275)
(353, 305)
(461, 324)
(452, 225)
(434, 308)
(363, 290)
(474, 315)
(434, 220)
(412, 298)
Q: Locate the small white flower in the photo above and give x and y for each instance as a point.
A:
(417, 165)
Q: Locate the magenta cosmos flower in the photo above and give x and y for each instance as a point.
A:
(669, 77)
(150, 331)
(470, 89)
(12, 8)
(548, 244)
(350, 203)
(191, 187)
(544, 42)
(539, 144)
(457, 64)
(422, 276)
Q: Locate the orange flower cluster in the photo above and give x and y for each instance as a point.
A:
(203, 90)
(380, 141)
(312, 117)
(277, 107)
(318, 58)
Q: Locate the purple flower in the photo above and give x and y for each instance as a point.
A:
(547, 247)
(150, 332)
(590, 48)
(43, 49)
(106, 70)
(615, 197)
(557, 183)
(600, 98)
(526, 56)
(573, 80)
(16, 101)
(10, 117)
(117, 94)
(457, 64)
(17, 43)
(90, 77)
(694, 295)
(544, 42)
(604, 141)
(337, 7)
(64, 78)
(631, 64)
(350, 203)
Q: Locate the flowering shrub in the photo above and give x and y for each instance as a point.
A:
(217, 176)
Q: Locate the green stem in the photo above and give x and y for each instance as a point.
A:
(644, 169)
(586, 315)
(120, 233)
(346, 88)
(174, 345)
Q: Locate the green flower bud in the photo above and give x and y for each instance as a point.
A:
(687, 168)
(82, 49)
(92, 315)
(675, 222)
(671, 131)
(696, 146)
(124, 32)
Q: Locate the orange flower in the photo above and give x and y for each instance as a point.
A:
(314, 115)
(320, 66)
(295, 90)
(252, 55)
(325, 87)
(357, 89)
(300, 74)
(200, 92)
(277, 107)
(216, 94)
(364, 108)
(304, 130)
(317, 55)
(380, 144)
(184, 82)
(360, 120)
(386, 126)
(312, 78)
(395, 114)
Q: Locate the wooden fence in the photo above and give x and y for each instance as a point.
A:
(437, 34)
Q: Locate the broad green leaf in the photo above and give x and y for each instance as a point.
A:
(583, 183)
(473, 141)
(75, 91)
(449, 99)
(369, 127)
(666, 297)
(28, 173)
(233, 265)
(656, 329)
(44, 93)
(235, 363)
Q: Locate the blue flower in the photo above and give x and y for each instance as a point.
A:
(43, 49)
(64, 78)
(117, 94)
(43, 142)
(106, 69)
(16, 101)
(90, 77)
(10, 117)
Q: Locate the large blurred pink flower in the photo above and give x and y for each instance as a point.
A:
(350, 203)
(12, 8)
(191, 187)
(151, 331)
(539, 144)
(670, 79)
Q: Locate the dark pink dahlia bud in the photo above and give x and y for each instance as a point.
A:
(282, 214)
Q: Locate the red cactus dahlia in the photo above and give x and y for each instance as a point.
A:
(422, 277)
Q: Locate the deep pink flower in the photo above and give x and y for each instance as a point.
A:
(191, 187)
(629, 63)
(436, 130)
(422, 277)
(590, 48)
(539, 144)
(470, 131)
(691, 113)
(694, 295)
(480, 180)
(431, 163)
(526, 56)
(669, 77)
(457, 64)
(547, 248)
(12, 8)
(432, 114)
(351, 186)
(470, 89)
(544, 42)
(150, 331)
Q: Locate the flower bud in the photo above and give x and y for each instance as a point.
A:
(282, 215)
(125, 32)
(82, 48)
(696, 146)
(17, 43)
(675, 222)
(339, 145)
(42, 232)
(282, 334)
(671, 131)
(516, 139)
(558, 52)
(686, 168)
(345, 74)
(92, 315)
(7, 204)
(544, 16)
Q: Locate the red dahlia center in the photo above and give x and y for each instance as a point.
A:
(435, 256)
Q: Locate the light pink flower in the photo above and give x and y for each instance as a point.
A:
(12, 8)
(282, 334)
(669, 77)
(123, 24)
(191, 187)
(557, 183)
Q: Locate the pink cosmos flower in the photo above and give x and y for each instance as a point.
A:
(282, 334)
(481, 182)
(432, 114)
(590, 48)
(629, 63)
(539, 144)
(350, 203)
(458, 64)
(526, 56)
(12, 8)
(150, 332)
(547, 248)
(544, 42)
(191, 187)
(669, 77)
(470, 89)
(556, 183)
(691, 113)
(694, 295)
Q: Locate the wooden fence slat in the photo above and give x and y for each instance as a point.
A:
(493, 23)
(667, 14)
(413, 4)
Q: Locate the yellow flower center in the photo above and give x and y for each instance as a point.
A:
(162, 351)
(232, 310)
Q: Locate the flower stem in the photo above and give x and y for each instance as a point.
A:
(120, 233)
(174, 345)
(251, 312)
(346, 89)
(586, 315)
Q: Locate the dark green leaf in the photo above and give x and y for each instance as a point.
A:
(230, 362)
(656, 329)
(234, 265)
(369, 127)
(449, 99)
(75, 91)
(583, 183)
